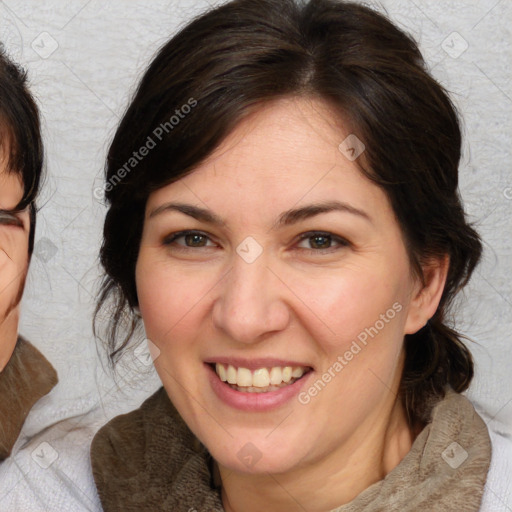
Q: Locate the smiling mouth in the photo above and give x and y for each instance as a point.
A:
(261, 380)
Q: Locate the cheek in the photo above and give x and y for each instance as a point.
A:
(354, 300)
(366, 309)
(168, 298)
(362, 351)
(13, 266)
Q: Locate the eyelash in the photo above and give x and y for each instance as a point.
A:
(180, 234)
(342, 243)
(8, 218)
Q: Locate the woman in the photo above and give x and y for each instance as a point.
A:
(25, 374)
(284, 216)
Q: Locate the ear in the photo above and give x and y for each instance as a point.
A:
(426, 295)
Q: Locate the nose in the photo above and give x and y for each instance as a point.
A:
(250, 304)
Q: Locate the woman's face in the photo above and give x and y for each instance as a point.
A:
(14, 232)
(294, 280)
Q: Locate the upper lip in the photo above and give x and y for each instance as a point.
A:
(255, 363)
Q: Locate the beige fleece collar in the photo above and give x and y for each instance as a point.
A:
(445, 470)
(27, 377)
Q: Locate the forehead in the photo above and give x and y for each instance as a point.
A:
(283, 154)
(282, 135)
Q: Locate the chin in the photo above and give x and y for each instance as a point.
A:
(267, 464)
(257, 456)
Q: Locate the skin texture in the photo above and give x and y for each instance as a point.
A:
(14, 233)
(294, 302)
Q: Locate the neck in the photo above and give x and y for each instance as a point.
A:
(371, 453)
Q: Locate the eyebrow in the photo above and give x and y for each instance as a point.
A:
(201, 214)
(285, 219)
(297, 214)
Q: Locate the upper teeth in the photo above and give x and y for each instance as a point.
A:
(260, 378)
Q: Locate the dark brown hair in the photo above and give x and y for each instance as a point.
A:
(20, 134)
(235, 57)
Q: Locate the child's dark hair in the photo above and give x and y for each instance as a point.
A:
(20, 134)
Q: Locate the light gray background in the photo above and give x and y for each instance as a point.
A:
(84, 59)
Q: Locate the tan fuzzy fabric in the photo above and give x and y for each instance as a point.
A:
(27, 377)
(148, 460)
(445, 470)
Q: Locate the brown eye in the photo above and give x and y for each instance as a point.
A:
(321, 241)
(195, 240)
(189, 239)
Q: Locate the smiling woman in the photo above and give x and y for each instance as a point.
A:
(299, 233)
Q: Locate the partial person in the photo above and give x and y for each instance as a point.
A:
(25, 374)
(44, 463)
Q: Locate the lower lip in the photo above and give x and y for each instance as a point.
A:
(257, 402)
